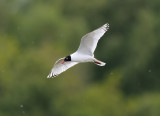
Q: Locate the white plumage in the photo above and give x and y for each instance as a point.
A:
(89, 41)
(85, 52)
(59, 67)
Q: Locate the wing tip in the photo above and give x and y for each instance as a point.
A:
(105, 27)
(51, 75)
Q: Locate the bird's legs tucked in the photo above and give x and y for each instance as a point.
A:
(96, 62)
(99, 63)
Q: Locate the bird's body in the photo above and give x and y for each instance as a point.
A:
(78, 57)
(85, 52)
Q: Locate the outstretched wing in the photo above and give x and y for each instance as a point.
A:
(59, 67)
(89, 41)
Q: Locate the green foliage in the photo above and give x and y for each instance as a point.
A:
(34, 34)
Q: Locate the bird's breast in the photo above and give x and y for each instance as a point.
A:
(81, 58)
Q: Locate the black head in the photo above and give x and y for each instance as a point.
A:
(67, 58)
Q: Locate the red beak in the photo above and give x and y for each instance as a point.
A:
(63, 62)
